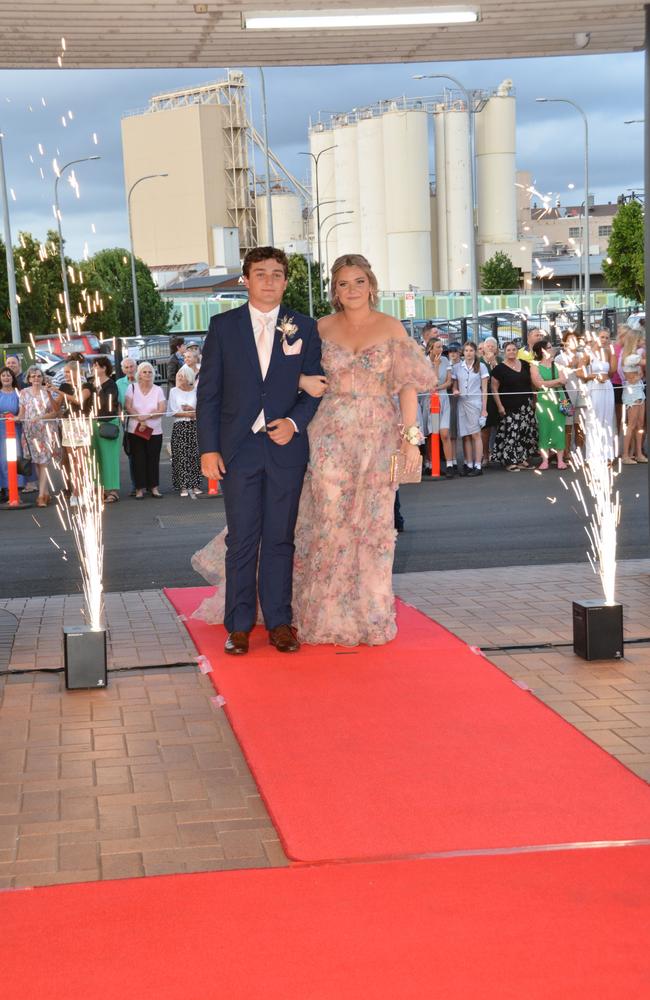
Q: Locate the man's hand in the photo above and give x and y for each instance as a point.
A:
(281, 431)
(212, 465)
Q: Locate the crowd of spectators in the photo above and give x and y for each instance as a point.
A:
(82, 425)
(535, 405)
(516, 407)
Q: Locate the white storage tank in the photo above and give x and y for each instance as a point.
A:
(372, 213)
(320, 138)
(457, 198)
(346, 238)
(287, 218)
(495, 168)
(406, 186)
(441, 195)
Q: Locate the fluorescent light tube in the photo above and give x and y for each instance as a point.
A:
(324, 19)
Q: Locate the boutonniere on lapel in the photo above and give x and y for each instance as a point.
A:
(288, 329)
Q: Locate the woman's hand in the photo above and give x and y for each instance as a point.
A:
(313, 385)
(412, 454)
(501, 410)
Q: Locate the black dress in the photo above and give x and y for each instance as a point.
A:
(516, 436)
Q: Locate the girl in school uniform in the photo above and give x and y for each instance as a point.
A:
(470, 381)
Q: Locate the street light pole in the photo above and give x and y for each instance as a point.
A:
(473, 266)
(585, 218)
(316, 157)
(331, 228)
(269, 207)
(134, 284)
(57, 212)
(310, 291)
(348, 211)
(9, 252)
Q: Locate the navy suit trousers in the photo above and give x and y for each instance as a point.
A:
(261, 500)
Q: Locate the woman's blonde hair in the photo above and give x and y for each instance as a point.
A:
(630, 343)
(353, 260)
(142, 366)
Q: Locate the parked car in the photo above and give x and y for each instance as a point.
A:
(45, 358)
(86, 343)
(237, 294)
(634, 320)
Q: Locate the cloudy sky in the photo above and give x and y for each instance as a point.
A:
(549, 137)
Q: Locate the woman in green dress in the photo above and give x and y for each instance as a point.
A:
(548, 380)
(106, 443)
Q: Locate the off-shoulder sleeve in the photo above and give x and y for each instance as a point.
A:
(411, 368)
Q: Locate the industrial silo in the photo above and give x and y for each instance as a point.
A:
(372, 213)
(320, 138)
(346, 237)
(457, 197)
(288, 223)
(441, 194)
(408, 220)
(495, 168)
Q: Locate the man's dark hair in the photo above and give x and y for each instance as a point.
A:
(14, 380)
(257, 254)
(75, 356)
(175, 343)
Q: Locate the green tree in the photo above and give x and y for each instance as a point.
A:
(625, 251)
(107, 277)
(39, 285)
(499, 274)
(297, 294)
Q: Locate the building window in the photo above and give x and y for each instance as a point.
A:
(574, 231)
(604, 230)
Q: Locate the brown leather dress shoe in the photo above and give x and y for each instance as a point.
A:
(284, 638)
(237, 643)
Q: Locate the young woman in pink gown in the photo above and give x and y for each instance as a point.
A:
(345, 535)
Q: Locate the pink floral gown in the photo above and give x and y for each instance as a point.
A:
(345, 535)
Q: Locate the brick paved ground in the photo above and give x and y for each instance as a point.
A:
(142, 778)
(146, 777)
(143, 630)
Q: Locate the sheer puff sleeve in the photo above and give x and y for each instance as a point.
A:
(411, 368)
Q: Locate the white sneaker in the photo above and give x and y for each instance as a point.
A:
(197, 492)
(73, 502)
(184, 493)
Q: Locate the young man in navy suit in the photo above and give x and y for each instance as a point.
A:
(252, 428)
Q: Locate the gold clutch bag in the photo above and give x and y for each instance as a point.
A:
(398, 473)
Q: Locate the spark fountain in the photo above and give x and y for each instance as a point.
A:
(598, 625)
(81, 514)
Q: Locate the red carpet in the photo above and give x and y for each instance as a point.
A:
(410, 748)
(566, 926)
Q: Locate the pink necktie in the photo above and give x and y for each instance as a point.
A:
(264, 341)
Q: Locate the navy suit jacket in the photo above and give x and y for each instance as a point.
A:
(231, 390)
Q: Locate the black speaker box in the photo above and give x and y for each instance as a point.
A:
(597, 630)
(84, 657)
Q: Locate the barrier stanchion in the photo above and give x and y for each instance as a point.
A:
(213, 487)
(434, 437)
(11, 446)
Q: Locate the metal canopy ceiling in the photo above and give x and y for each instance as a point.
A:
(124, 34)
